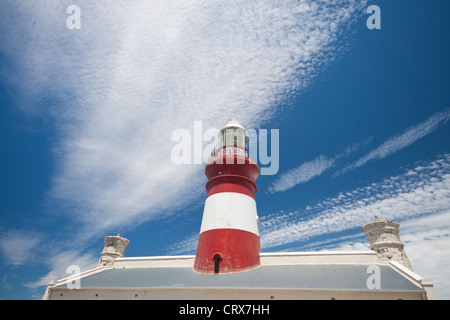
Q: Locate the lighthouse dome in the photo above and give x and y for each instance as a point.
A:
(231, 123)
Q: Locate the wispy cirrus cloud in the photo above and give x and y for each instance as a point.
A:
(135, 71)
(402, 140)
(186, 246)
(18, 247)
(59, 264)
(301, 174)
(311, 169)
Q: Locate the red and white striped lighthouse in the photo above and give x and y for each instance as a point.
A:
(229, 237)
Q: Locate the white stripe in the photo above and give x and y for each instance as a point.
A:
(230, 210)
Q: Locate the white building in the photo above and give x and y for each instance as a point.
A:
(286, 275)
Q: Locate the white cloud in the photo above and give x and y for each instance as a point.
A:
(301, 174)
(134, 72)
(311, 169)
(401, 141)
(59, 264)
(186, 246)
(19, 247)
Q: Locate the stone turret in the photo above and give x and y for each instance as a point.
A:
(114, 248)
(385, 240)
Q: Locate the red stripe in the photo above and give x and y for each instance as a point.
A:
(238, 249)
(245, 167)
(231, 183)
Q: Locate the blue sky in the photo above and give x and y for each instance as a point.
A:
(87, 115)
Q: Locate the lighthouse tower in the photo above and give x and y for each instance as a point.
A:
(229, 237)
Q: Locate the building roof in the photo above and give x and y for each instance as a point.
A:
(286, 277)
(294, 273)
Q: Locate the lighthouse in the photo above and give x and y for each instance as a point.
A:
(229, 237)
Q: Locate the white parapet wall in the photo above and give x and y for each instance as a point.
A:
(267, 258)
(321, 257)
(155, 262)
